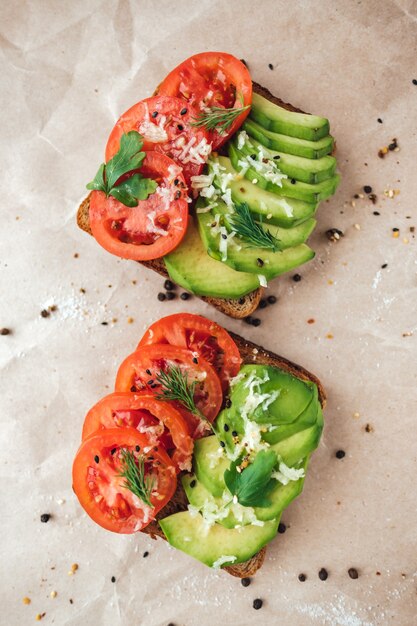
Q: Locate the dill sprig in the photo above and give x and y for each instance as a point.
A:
(133, 471)
(175, 386)
(218, 118)
(251, 232)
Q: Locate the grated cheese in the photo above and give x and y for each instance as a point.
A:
(262, 280)
(286, 474)
(222, 560)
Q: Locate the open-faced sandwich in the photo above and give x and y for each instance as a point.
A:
(212, 182)
(205, 441)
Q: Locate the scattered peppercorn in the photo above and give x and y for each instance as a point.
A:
(395, 230)
(245, 582)
(228, 403)
(296, 278)
(161, 296)
(195, 360)
(282, 528)
(155, 114)
(45, 313)
(377, 213)
(222, 444)
(323, 574)
(369, 428)
(185, 296)
(45, 517)
(145, 554)
(373, 198)
(257, 604)
(302, 578)
(5, 331)
(193, 483)
(271, 299)
(248, 319)
(113, 579)
(293, 181)
(169, 285)
(367, 189)
(353, 573)
(183, 111)
(259, 262)
(170, 295)
(277, 157)
(180, 127)
(263, 303)
(256, 321)
(334, 234)
(226, 428)
(176, 181)
(234, 433)
(96, 458)
(392, 146)
(137, 448)
(379, 120)
(340, 454)
(271, 67)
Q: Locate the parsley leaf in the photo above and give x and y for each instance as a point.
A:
(252, 485)
(127, 159)
(133, 189)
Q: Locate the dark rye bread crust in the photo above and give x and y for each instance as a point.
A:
(250, 353)
(237, 308)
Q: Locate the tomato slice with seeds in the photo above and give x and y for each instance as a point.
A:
(140, 370)
(165, 124)
(212, 79)
(152, 228)
(162, 423)
(100, 488)
(202, 336)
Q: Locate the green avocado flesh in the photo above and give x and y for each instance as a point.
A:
(289, 145)
(243, 258)
(192, 268)
(305, 170)
(280, 120)
(208, 544)
(281, 496)
(291, 188)
(272, 208)
(210, 464)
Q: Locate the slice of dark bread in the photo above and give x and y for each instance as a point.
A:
(250, 353)
(233, 307)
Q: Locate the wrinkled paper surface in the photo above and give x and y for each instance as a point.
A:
(69, 69)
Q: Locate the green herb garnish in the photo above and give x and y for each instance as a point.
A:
(251, 232)
(133, 471)
(252, 485)
(219, 118)
(175, 386)
(128, 158)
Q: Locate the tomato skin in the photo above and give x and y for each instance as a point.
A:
(136, 410)
(133, 376)
(165, 128)
(211, 79)
(99, 488)
(201, 335)
(129, 232)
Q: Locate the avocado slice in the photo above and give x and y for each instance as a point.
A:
(280, 120)
(294, 394)
(210, 464)
(290, 145)
(291, 188)
(306, 170)
(271, 208)
(294, 448)
(281, 496)
(192, 268)
(242, 258)
(190, 534)
(307, 418)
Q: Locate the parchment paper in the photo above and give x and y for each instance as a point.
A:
(69, 69)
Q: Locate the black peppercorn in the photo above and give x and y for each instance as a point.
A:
(185, 296)
(155, 114)
(282, 528)
(353, 573)
(161, 296)
(245, 582)
(323, 574)
(45, 517)
(271, 299)
(340, 454)
(145, 554)
(257, 604)
(169, 285)
(170, 295)
(367, 189)
(113, 579)
(256, 321)
(5, 331)
(183, 111)
(302, 578)
(296, 278)
(263, 303)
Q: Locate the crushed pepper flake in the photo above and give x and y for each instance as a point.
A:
(330, 282)
(130, 320)
(356, 415)
(396, 235)
(369, 428)
(26, 600)
(408, 333)
(311, 321)
(330, 336)
(53, 594)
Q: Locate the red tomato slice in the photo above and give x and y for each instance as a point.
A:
(159, 421)
(139, 372)
(154, 227)
(200, 335)
(100, 490)
(212, 79)
(165, 124)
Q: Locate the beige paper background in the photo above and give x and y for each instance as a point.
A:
(68, 70)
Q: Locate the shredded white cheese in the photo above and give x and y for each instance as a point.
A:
(262, 280)
(222, 560)
(286, 474)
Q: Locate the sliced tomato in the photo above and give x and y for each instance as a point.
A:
(212, 79)
(100, 488)
(202, 336)
(165, 124)
(140, 370)
(161, 422)
(154, 227)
